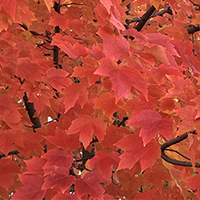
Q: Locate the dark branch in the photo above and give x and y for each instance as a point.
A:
(192, 29)
(160, 13)
(31, 111)
(172, 142)
(144, 18)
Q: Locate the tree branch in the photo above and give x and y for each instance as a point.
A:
(31, 111)
(172, 142)
(160, 13)
(192, 29)
(144, 18)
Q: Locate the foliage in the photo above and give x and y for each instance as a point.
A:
(90, 90)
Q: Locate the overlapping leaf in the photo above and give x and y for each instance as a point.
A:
(122, 78)
(134, 151)
(151, 123)
(87, 126)
(90, 185)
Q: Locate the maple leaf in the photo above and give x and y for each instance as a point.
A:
(57, 168)
(58, 19)
(163, 40)
(106, 102)
(194, 184)
(95, 53)
(75, 93)
(63, 140)
(9, 6)
(182, 89)
(58, 176)
(90, 185)
(32, 72)
(8, 138)
(122, 78)
(57, 78)
(151, 194)
(31, 143)
(109, 140)
(31, 188)
(6, 104)
(107, 4)
(7, 169)
(135, 151)
(86, 71)
(66, 195)
(34, 165)
(151, 123)
(49, 4)
(87, 126)
(114, 47)
(104, 162)
(65, 44)
(159, 53)
(12, 119)
(57, 157)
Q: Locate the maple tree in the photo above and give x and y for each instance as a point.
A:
(99, 99)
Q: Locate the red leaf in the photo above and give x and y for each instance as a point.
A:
(32, 142)
(31, 188)
(8, 138)
(57, 78)
(66, 195)
(163, 40)
(87, 125)
(151, 123)
(7, 169)
(106, 102)
(105, 162)
(58, 176)
(90, 185)
(75, 93)
(122, 78)
(58, 19)
(57, 157)
(116, 22)
(183, 89)
(109, 140)
(150, 155)
(133, 147)
(63, 140)
(67, 45)
(34, 165)
(151, 194)
(114, 46)
(135, 151)
(95, 53)
(9, 6)
(86, 71)
(107, 4)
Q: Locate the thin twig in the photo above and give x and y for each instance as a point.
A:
(172, 142)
